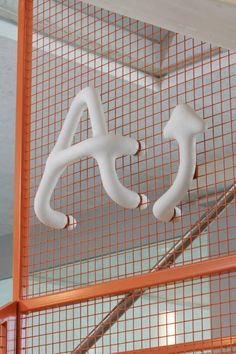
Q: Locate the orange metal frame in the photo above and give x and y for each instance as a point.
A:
(122, 286)
(22, 151)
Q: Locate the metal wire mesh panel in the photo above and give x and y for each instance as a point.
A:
(141, 72)
(202, 310)
(148, 72)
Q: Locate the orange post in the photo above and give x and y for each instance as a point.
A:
(22, 143)
(22, 155)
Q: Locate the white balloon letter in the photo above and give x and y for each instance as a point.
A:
(183, 126)
(104, 147)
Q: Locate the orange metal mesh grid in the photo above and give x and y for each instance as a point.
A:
(140, 78)
(202, 310)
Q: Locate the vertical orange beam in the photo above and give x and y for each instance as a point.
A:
(22, 141)
(22, 155)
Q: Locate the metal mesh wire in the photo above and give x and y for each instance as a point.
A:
(75, 46)
(141, 72)
(201, 309)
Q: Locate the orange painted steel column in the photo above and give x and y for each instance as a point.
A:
(22, 153)
(22, 144)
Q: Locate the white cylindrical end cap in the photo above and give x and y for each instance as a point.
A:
(72, 223)
(168, 215)
(144, 203)
(142, 148)
(177, 214)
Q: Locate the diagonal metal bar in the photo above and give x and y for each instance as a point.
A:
(166, 261)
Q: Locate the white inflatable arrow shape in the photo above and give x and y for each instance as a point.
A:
(183, 126)
(103, 147)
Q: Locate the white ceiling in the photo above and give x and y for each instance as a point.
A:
(212, 21)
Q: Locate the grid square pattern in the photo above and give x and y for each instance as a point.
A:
(141, 72)
(201, 310)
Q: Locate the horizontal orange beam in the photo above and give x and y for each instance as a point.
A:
(7, 311)
(187, 347)
(122, 286)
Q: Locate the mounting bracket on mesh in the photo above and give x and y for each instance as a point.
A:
(105, 148)
(184, 125)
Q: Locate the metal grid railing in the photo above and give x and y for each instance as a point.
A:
(200, 310)
(121, 242)
(141, 72)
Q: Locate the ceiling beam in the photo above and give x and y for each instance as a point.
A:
(212, 21)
